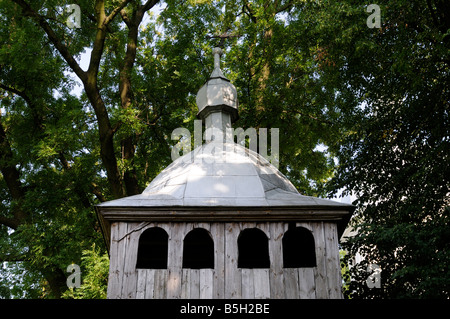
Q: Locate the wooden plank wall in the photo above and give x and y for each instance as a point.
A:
(225, 280)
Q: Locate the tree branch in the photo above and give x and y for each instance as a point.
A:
(125, 18)
(288, 5)
(36, 119)
(308, 115)
(13, 90)
(115, 11)
(11, 258)
(9, 222)
(249, 11)
(148, 5)
(125, 89)
(433, 15)
(97, 192)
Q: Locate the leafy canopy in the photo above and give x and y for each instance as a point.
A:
(360, 109)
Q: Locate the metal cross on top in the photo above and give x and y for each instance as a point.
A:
(223, 37)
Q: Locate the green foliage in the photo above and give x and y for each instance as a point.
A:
(395, 161)
(345, 273)
(17, 282)
(366, 108)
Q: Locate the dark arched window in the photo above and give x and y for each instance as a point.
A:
(253, 246)
(152, 249)
(298, 248)
(198, 249)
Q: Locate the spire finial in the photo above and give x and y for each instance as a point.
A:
(217, 54)
(217, 73)
(217, 96)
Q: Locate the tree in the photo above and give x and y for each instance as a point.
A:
(374, 99)
(62, 153)
(49, 155)
(395, 156)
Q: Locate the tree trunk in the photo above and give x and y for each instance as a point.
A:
(126, 95)
(11, 176)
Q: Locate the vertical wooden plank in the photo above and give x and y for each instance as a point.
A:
(174, 283)
(261, 281)
(291, 283)
(248, 225)
(206, 226)
(307, 225)
(264, 227)
(150, 284)
(232, 273)
(115, 273)
(206, 283)
(248, 286)
(189, 227)
(276, 261)
(130, 284)
(195, 284)
(320, 272)
(160, 285)
(121, 253)
(333, 265)
(163, 282)
(171, 250)
(175, 260)
(218, 234)
(129, 273)
(307, 287)
(123, 240)
(141, 282)
(112, 260)
(186, 284)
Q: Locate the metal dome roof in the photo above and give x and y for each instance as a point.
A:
(220, 181)
(221, 175)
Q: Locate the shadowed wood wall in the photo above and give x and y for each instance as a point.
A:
(226, 280)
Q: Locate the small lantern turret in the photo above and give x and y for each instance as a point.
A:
(218, 95)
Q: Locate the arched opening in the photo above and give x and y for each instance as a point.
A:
(253, 247)
(152, 249)
(298, 248)
(198, 249)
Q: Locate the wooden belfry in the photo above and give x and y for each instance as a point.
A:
(222, 222)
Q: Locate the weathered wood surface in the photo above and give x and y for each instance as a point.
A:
(218, 233)
(226, 280)
(333, 263)
(276, 261)
(233, 277)
(320, 271)
(130, 273)
(175, 260)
